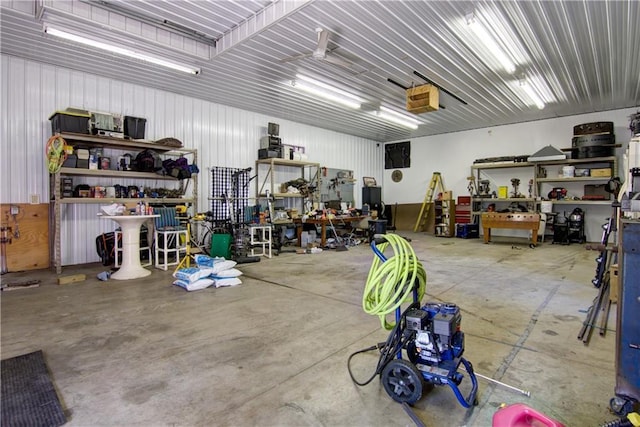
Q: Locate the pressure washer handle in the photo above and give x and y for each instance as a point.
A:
(471, 399)
(378, 239)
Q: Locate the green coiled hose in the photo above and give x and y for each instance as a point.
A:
(390, 283)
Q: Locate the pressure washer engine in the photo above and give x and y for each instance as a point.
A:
(433, 343)
(429, 336)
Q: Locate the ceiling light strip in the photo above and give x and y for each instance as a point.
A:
(325, 94)
(397, 118)
(120, 51)
(490, 44)
(531, 93)
(325, 91)
(328, 87)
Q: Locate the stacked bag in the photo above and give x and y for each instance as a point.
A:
(218, 272)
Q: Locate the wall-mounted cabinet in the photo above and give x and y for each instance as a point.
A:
(64, 183)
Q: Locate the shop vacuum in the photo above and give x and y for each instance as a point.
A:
(425, 344)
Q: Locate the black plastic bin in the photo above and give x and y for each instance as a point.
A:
(134, 127)
(377, 226)
(62, 121)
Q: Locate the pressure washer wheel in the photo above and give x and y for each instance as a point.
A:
(402, 381)
(621, 406)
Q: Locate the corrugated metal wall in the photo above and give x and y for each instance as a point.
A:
(452, 155)
(223, 136)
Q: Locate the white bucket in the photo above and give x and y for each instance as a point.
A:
(546, 206)
(568, 171)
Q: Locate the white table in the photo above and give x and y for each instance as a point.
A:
(130, 226)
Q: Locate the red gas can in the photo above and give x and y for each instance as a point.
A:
(520, 415)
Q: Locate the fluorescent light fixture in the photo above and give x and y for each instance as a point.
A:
(531, 93)
(397, 118)
(490, 44)
(120, 51)
(328, 92)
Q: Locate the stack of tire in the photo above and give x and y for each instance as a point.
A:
(593, 140)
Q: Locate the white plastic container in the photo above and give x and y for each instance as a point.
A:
(568, 171)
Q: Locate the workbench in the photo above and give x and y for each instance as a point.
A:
(511, 220)
(339, 220)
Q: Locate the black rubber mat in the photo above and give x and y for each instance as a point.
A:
(28, 396)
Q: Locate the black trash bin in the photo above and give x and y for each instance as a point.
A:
(377, 226)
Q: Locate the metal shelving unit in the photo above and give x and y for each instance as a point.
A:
(268, 171)
(539, 178)
(117, 144)
(543, 181)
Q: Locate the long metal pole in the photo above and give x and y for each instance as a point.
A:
(525, 392)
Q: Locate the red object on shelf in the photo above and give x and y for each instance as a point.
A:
(520, 415)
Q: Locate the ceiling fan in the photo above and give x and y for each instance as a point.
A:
(322, 52)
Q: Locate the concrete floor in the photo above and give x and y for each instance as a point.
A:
(273, 351)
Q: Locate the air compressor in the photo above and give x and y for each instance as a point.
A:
(426, 343)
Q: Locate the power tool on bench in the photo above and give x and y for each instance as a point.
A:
(429, 336)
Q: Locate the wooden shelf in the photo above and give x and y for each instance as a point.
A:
(283, 195)
(494, 199)
(578, 161)
(111, 142)
(575, 179)
(103, 173)
(285, 162)
(109, 200)
(581, 202)
(502, 165)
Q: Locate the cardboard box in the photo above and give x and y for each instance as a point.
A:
(503, 192)
(603, 172)
(596, 192)
(421, 99)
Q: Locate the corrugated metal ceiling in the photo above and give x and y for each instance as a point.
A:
(582, 56)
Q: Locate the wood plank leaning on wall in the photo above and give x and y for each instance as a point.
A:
(29, 251)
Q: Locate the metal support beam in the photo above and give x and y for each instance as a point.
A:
(270, 15)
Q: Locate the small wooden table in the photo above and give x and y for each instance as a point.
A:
(513, 220)
(323, 225)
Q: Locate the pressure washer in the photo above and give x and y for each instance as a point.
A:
(426, 343)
